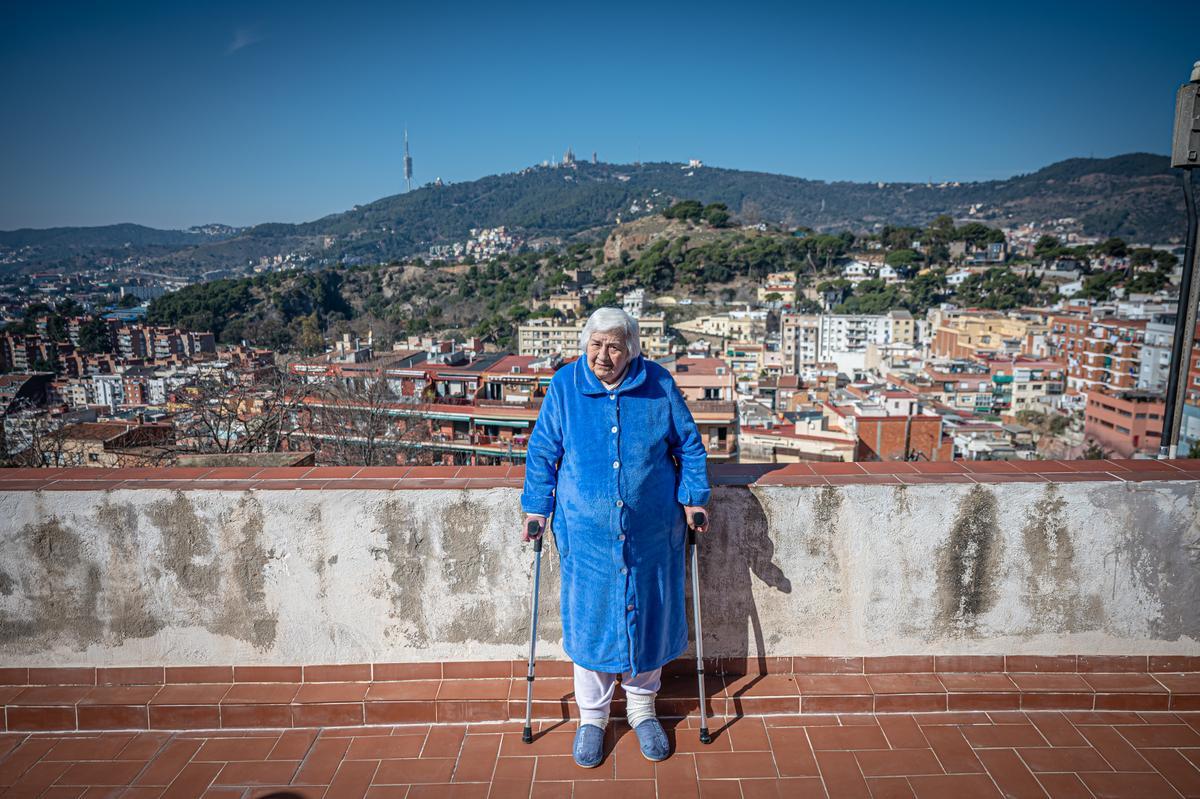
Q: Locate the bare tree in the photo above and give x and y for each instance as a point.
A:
(239, 411)
(362, 422)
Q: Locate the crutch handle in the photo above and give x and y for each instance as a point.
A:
(534, 531)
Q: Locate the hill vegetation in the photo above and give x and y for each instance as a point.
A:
(1134, 196)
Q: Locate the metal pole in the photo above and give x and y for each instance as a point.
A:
(697, 520)
(1185, 330)
(527, 733)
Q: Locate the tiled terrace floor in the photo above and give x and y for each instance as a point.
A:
(1012, 753)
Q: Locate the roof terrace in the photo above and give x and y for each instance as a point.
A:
(977, 628)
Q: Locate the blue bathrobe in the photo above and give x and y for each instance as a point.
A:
(616, 468)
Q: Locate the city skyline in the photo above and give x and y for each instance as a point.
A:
(185, 116)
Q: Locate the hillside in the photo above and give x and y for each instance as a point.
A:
(1134, 196)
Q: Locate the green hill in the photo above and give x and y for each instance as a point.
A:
(1135, 196)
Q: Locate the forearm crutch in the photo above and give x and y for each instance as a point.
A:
(698, 521)
(532, 532)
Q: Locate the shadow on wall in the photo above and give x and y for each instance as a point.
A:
(736, 551)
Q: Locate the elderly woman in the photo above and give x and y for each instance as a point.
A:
(617, 459)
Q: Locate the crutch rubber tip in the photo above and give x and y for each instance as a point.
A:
(705, 738)
(527, 735)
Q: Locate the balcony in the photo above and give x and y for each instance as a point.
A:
(319, 611)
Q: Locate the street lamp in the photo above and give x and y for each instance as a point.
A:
(1185, 155)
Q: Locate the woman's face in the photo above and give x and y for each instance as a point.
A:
(607, 355)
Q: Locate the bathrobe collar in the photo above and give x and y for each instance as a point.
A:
(587, 382)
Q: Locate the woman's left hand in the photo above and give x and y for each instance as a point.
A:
(689, 511)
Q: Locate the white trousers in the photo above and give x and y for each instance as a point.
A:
(594, 689)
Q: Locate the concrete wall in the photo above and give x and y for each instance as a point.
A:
(179, 577)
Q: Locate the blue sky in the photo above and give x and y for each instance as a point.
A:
(172, 114)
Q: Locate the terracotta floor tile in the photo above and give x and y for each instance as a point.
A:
(1077, 758)
(793, 752)
(860, 737)
(444, 741)
(36, 779)
(1010, 774)
(170, 761)
(192, 781)
(353, 779)
(890, 788)
(477, 759)
(293, 745)
(322, 761)
(897, 762)
(409, 771)
(1176, 768)
(1003, 735)
(1056, 729)
(842, 776)
(100, 747)
(628, 789)
(1115, 749)
(748, 735)
(902, 732)
(952, 749)
(259, 772)
(719, 789)
(954, 786)
(735, 765)
(677, 774)
(1119, 786)
(239, 748)
(1174, 736)
(1064, 786)
(385, 747)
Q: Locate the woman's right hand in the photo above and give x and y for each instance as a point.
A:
(541, 526)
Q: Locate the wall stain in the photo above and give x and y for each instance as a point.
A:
(127, 598)
(900, 500)
(1052, 584)
(244, 614)
(465, 560)
(187, 547)
(62, 589)
(818, 541)
(967, 563)
(407, 550)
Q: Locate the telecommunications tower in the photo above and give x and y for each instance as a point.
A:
(407, 164)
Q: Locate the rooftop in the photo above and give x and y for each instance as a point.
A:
(346, 631)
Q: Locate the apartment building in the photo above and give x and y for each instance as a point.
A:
(1100, 354)
(809, 339)
(982, 334)
(1125, 423)
(548, 336)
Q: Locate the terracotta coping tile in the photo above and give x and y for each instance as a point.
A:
(130, 675)
(58, 675)
(233, 473)
(837, 468)
(191, 694)
(406, 671)
(45, 695)
(888, 467)
(120, 695)
(261, 694)
(486, 477)
(332, 472)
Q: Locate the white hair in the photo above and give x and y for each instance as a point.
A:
(612, 320)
